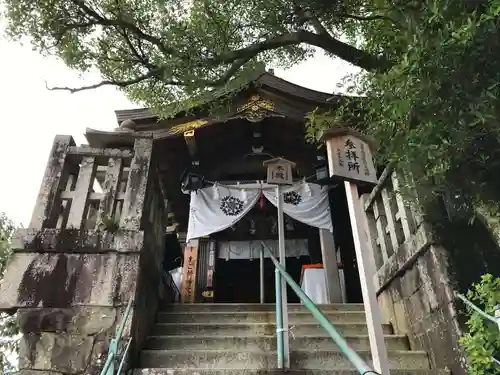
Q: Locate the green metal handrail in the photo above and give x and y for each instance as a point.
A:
(351, 355)
(495, 319)
(109, 365)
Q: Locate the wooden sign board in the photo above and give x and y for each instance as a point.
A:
(350, 156)
(188, 284)
(208, 294)
(279, 171)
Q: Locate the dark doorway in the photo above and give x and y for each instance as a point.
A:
(238, 280)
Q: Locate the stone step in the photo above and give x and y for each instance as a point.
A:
(256, 329)
(232, 371)
(262, 343)
(294, 317)
(230, 307)
(302, 359)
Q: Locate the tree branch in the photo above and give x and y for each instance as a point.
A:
(123, 24)
(334, 46)
(125, 83)
(308, 16)
(368, 18)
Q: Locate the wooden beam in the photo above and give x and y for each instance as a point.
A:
(191, 143)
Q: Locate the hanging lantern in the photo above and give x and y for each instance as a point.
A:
(191, 181)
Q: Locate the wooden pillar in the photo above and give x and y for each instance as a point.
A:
(329, 256)
(205, 272)
(188, 284)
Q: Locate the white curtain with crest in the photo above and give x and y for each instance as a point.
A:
(218, 207)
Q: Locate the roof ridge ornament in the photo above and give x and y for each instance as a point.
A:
(256, 108)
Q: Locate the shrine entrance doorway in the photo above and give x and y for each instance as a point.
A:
(238, 280)
(237, 276)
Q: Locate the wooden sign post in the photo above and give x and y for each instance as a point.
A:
(350, 159)
(279, 172)
(188, 284)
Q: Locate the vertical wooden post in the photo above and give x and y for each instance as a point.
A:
(329, 255)
(136, 185)
(350, 158)
(45, 214)
(366, 273)
(188, 284)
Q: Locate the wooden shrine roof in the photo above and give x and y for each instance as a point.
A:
(224, 145)
(264, 96)
(265, 80)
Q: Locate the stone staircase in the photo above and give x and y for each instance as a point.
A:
(227, 339)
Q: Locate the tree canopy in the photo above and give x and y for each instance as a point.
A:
(163, 50)
(429, 76)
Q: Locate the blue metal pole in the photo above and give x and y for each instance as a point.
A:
(279, 318)
(108, 368)
(351, 355)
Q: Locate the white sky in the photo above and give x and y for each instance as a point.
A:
(31, 115)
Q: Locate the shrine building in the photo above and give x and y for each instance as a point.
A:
(177, 218)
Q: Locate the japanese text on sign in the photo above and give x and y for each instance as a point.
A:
(188, 284)
(351, 155)
(350, 158)
(279, 171)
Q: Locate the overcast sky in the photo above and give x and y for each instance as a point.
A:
(31, 115)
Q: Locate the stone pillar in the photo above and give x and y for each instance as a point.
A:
(71, 285)
(329, 256)
(45, 212)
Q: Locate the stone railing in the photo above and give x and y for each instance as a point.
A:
(85, 255)
(393, 223)
(412, 281)
(67, 199)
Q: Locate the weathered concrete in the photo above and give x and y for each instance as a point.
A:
(76, 241)
(257, 329)
(68, 304)
(212, 371)
(45, 210)
(150, 288)
(258, 317)
(417, 299)
(415, 291)
(266, 343)
(62, 280)
(71, 286)
(251, 344)
(301, 359)
(256, 307)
